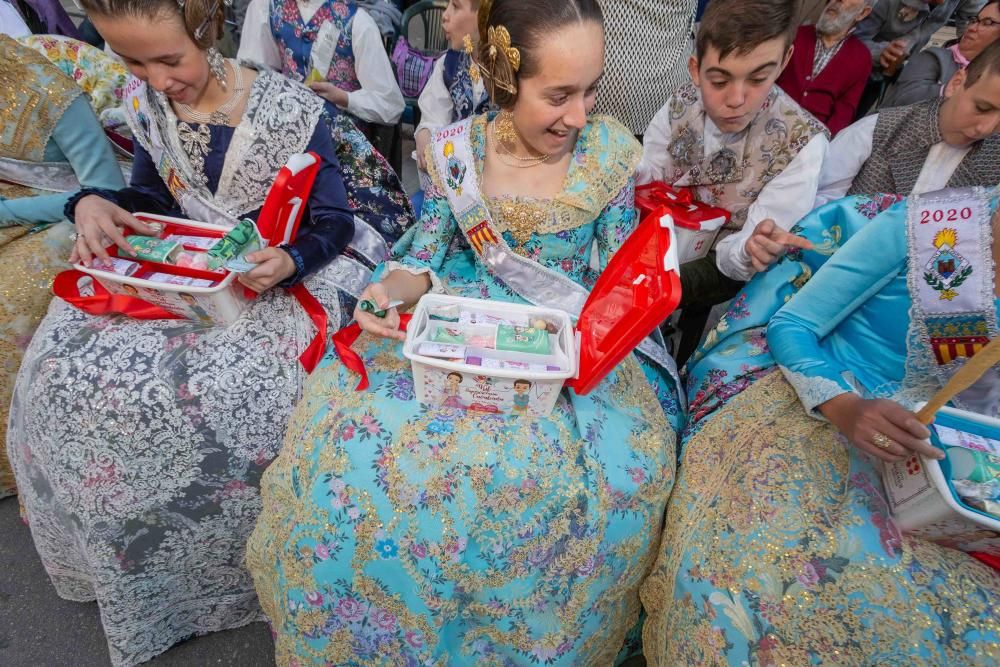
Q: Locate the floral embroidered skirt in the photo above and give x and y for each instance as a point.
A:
(398, 533)
(30, 261)
(779, 549)
(138, 448)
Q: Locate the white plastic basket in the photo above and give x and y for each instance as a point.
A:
(501, 390)
(924, 503)
(221, 304)
(694, 244)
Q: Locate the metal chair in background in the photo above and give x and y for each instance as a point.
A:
(422, 28)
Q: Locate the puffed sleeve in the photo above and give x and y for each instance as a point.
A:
(852, 276)
(79, 138)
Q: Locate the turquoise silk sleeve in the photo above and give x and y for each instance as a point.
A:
(617, 221)
(831, 327)
(78, 139)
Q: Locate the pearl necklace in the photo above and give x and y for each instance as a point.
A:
(221, 115)
(502, 151)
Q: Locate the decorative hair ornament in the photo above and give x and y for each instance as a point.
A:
(503, 78)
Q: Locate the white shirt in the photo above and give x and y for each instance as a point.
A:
(379, 100)
(853, 146)
(11, 23)
(785, 199)
(436, 105)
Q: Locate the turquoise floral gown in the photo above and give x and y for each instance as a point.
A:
(779, 547)
(404, 534)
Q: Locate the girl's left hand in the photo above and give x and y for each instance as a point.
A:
(273, 266)
(330, 92)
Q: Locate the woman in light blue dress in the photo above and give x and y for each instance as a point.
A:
(779, 547)
(400, 533)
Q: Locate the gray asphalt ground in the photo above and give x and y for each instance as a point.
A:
(39, 629)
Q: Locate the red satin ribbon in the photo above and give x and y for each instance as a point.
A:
(312, 354)
(66, 287)
(345, 338)
(655, 195)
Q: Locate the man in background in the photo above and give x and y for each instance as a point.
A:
(829, 67)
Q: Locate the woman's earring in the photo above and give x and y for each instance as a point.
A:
(504, 128)
(217, 65)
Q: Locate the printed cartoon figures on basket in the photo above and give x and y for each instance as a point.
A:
(521, 397)
(452, 391)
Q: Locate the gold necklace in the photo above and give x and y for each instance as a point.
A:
(502, 151)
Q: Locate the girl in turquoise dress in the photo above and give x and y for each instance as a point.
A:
(406, 534)
(779, 546)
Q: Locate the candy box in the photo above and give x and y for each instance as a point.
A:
(158, 284)
(478, 354)
(923, 499)
(697, 223)
(525, 386)
(211, 297)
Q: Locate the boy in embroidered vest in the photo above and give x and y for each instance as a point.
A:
(740, 143)
(334, 47)
(450, 94)
(952, 141)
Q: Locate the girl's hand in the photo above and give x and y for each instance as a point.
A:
(330, 92)
(100, 222)
(882, 428)
(273, 266)
(388, 326)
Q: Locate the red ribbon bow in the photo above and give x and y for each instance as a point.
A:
(345, 338)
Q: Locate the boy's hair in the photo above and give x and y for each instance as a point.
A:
(988, 61)
(741, 26)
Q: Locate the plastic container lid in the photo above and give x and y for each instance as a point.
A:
(640, 287)
(282, 211)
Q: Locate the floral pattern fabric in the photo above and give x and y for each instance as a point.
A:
(401, 533)
(100, 76)
(779, 547)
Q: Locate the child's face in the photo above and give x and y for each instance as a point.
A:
(521, 388)
(458, 21)
(734, 88)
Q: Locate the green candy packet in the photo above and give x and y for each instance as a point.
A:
(522, 339)
(152, 249)
(448, 335)
(238, 241)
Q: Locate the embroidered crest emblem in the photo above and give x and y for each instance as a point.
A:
(455, 174)
(481, 235)
(947, 269)
(143, 119)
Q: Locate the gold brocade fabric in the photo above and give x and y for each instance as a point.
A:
(29, 261)
(34, 94)
(603, 161)
(778, 549)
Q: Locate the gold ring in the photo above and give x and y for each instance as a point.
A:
(882, 440)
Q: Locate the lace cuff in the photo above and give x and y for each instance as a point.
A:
(437, 287)
(70, 209)
(814, 390)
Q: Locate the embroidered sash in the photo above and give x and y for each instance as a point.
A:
(541, 286)
(733, 175)
(950, 280)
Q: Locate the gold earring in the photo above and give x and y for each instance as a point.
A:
(503, 128)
